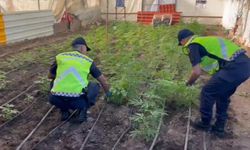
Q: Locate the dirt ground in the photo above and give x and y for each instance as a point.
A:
(114, 120)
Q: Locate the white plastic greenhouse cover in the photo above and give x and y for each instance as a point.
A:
(238, 9)
(230, 14)
(57, 6)
(246, 32)
(132, 6)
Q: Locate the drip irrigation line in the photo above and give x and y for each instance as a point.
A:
(92, 128)
(19, 68)
(20, 94)
(53, 130)
(204, 141)
(158, 131)
(119, 139)
(188, 128)
(22, 112)
(25, 65)
(35, 129)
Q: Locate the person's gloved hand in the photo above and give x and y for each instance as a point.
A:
(108, 94)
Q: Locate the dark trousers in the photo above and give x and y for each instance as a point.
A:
(219, 89)
(86, 100)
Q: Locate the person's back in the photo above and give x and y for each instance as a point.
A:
(72, 74)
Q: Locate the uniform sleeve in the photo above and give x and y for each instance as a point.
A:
(194, 55)
(94, 71)
(53, 68)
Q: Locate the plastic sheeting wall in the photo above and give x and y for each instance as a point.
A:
(28, 25)
(132, 7)
(230, 14)
(87, 10)
(210, 14)
(10, 6)
(237, 19)
(246, 32)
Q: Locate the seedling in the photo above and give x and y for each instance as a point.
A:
(146, 68)
(29, 98)
(8, 111)
(3, 80)
(43, 83)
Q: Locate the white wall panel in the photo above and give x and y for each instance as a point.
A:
(28, 25)
(212, 8)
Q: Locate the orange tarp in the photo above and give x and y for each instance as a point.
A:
(2, 31)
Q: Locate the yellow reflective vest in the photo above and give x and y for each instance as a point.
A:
(71, 74)
(217, 46)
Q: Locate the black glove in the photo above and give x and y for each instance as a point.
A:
(108, 94)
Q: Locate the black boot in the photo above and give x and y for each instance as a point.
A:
(218, 129)
(82, 115)
(200, 125)
(65, 115)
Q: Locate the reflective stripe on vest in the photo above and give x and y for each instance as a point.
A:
(67, 72)
(223, 48)
(71, 74)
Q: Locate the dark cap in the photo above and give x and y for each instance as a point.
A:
(184, 34)
(80, 41)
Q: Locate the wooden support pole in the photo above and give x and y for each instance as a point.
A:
(246, 18)
(142, 5)
(125, 12)
(158, 5)
(107, 18)
(115, 13)
(39, 7)
(51, 4)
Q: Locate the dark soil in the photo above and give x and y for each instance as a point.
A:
(13, 133)
(49, 124)
(29, 45)
(112, 123)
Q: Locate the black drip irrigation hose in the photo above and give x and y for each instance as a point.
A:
(204, 134)
(19, 114)
(122, 135)
(188, 128)
(53, 130)
(92, 128)
(35, 129)
(20, 94)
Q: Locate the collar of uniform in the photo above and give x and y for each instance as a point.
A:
(190, 40)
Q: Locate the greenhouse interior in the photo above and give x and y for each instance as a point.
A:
(125, 74)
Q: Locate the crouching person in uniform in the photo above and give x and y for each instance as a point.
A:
(70, 87)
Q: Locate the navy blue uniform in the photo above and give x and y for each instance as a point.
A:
(84, 101)
(222, 84)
